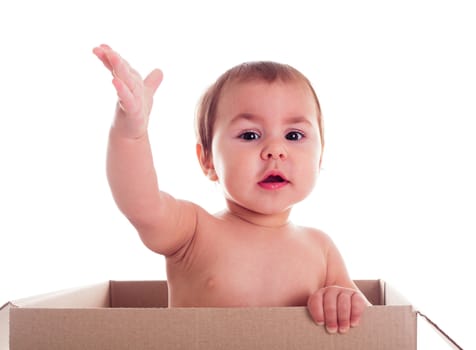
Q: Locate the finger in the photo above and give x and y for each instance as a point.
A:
(101, 54)
(105, 46)
(122, 70)
(330, 309)
(127, 100)
(358, 306)
(343, 310)
(152, 81)
(315, 307)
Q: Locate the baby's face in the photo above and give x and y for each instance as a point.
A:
(266, 145)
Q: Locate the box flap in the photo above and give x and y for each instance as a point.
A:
(394, 297)
(440, 332)
(4, 319)
(96, 295)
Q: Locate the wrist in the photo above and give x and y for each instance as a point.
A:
(117, 132)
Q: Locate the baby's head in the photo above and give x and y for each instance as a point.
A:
(264, 71)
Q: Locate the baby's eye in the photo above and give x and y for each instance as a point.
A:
(249, 136)
(294, 136)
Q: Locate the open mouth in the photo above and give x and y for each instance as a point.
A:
(273, 181)
(273, 178)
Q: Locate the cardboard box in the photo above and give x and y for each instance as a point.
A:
(134, 315)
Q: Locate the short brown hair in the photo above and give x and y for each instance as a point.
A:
(261, 70)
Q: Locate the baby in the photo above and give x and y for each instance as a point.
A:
(260, 136)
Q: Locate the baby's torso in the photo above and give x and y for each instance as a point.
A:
(230, 265)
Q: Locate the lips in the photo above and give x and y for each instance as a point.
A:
(273, 180)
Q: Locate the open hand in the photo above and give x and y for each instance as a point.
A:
(135, 95)
(337, 307)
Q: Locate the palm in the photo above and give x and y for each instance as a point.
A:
(134, 93)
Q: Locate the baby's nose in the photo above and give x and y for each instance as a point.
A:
(274, 151)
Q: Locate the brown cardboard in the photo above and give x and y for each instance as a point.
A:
(134, 315)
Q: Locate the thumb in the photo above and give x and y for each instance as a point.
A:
(153, 80)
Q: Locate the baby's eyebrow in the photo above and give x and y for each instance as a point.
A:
(252, 117)
(298, 120)
(246, 116)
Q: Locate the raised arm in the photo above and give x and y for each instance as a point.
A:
(164, 223)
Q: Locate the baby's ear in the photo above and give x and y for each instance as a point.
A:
(206, 163)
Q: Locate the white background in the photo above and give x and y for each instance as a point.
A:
(397, 84)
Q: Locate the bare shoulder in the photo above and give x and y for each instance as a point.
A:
(323, 245)
(315, 236)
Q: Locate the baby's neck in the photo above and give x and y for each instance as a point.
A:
(277, 220)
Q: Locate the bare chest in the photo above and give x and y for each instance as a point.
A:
(249, 270)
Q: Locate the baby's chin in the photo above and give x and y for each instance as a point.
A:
(274, 206)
